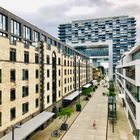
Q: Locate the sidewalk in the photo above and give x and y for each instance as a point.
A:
(122, 128)
(46, 133)
(96, 109)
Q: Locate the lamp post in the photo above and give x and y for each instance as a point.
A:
(112, 115)
(13, 131)
(79, 77)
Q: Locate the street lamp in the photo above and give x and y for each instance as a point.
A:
(13, 130)
(79, 77)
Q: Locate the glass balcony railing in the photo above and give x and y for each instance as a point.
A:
(130, 72)
(131, 105)
(134, 91)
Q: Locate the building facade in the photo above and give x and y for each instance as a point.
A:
(128, 82)
(82, 33)
(36, 71)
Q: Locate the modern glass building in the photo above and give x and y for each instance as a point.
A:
(81, 33)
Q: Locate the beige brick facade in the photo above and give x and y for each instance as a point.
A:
(65, 80)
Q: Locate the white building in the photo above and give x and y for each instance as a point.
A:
(128, 82)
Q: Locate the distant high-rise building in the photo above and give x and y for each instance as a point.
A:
(83, 33)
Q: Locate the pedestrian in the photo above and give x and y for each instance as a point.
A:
(94, 124)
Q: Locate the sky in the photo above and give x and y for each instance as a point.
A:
(48, 14)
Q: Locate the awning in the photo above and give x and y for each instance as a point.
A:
(73, 95)
(30, 126)
(94, 82)
(87, 86)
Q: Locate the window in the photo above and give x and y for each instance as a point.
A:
(36, 103)
(36, 74)
(12, 94)
(48, 73)
(26, 57)
(25, 91)
(36, 88)
(48, 86)
(36, 36)
(24, 74)
(0, 119)
(0, 97)
(27, 32)
(48, 59)
(13, 75)
(13, 55)
(48, 99)
(25, 107)
(36, 58)
(59, 94)
(59, 73)
(15, 28)
(0, 75)
(12, 113)
(65, 72)
(58, 61)
(3, 22)
(65, 80)
(65, 89)
(64, 62)
(59, 83)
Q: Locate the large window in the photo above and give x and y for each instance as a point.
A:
(12, 94)
(26, 56)
(48, 86)
(48, 73)
(25, 91)
(35, 36)
(130, 72)
(36, 88)
(37, 74)
(13, 75)
(134, 91)
(25, 74)
(48, 59)
(12, 113)
(25, 107)
(36, 58)
(36, 103)
(12, 54)
(27, 33)
(15, 28)
(3, 22)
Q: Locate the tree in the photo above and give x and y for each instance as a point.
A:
(65, 113)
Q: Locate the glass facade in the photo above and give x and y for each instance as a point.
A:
(27, 32)
(134, 91)
(130, 72)
(36, 36)
(15, 28)
(3, 22)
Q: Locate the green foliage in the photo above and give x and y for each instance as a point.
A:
(78, 105)
(112, 94)
(65, 113)
(87, 91)
(111, 88)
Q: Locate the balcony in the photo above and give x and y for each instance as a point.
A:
(130, 72)
(131, 105)
(134, 91)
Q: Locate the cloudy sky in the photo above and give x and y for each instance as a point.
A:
(48, 14)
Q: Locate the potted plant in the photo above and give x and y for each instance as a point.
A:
(64, 114)
(93, 88)
(78, 106)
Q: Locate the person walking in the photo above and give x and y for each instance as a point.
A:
(94, 124)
